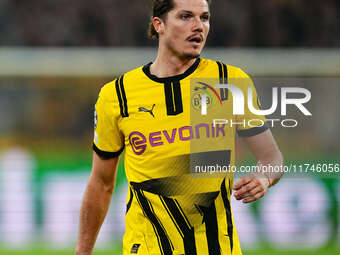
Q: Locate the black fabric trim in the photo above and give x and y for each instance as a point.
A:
(168, 98)
(159, 186)
(223, 74)
(220, 71)
(107, 154)
(224, 94)
(224, 91)
(227, 207)
(182, 224)
(173, 98)
(126, 112)
(152, 185)
(166, 247)
(178, 97)
(190, 70)
(130, 201)
(211, 226)
(252, 131)
(166, 187)
(121, 97)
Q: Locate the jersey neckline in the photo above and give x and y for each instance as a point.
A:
(190, 70)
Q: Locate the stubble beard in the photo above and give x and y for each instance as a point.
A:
(182, 55)
(189, 56)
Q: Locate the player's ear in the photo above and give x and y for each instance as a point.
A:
(158, 24)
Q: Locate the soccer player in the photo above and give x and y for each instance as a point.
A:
(154, 113)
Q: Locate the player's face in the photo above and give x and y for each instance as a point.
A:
(186, 28)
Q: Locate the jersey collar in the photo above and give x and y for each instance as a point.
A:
(190, 70)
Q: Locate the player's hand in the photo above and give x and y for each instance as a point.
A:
(251, 187)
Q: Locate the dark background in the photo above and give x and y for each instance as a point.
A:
(106, 23)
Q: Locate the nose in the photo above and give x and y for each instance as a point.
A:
(198, 25)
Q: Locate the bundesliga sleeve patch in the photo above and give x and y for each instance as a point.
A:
(135, 248)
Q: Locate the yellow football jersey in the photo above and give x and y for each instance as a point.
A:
(179, 138)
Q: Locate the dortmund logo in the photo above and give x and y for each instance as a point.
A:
(209, 91)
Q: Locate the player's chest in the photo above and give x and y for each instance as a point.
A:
(174, 104)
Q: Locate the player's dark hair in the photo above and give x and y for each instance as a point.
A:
(160, 8)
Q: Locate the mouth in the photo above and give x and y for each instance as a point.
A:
(195, 40)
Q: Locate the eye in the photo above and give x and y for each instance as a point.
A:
(185, 16)
(205, 18)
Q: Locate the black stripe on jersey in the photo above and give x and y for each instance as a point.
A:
(220, 71)
(161, 186)
(223, 74)
(252, 131)
(107, 154)
(164, 243)
(173, 98)
(126, 114)
(182, 224)
(227, 207)
(128, 205)
(119, 97)
(122, 97)
(210, 219)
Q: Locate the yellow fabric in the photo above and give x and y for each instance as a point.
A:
(158, 150)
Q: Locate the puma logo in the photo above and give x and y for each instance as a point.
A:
(142, 109)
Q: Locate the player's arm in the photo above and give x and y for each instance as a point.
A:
(254, 185)
(96, 202)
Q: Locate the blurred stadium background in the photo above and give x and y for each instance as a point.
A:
(55, 56)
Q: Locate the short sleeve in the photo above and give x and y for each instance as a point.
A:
(108, 139)
(250, 123)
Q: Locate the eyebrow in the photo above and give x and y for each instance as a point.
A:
(190, 12)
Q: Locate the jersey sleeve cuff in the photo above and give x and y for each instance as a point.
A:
(106, 154)
(252, 131)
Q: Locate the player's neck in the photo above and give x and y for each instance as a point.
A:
(167, 65)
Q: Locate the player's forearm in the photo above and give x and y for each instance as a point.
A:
(271, 165)
(94, 208)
